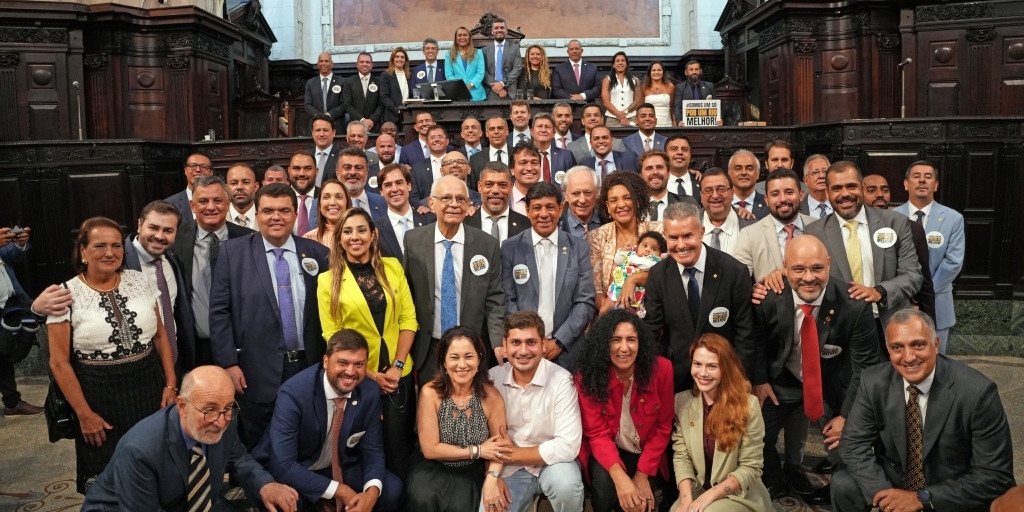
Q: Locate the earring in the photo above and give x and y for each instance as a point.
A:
(85, 261)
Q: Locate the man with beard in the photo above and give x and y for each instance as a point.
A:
(324, 150)
(353, 175)
(816, 340)
(645, 139)
(519, 114)
(605, 159)
(582, 147)
(177, 457)
(543, 460)
(497, 151)
(562, 112)
(390, 129)
(654, 170)
(579, 217)
(693, 88)
(722, 224)
(385, 153)
(328, 418)
(526, 171)
(427, 171)
(743, 172)
(554, 160)
(495, 217)
(471, 134)
(356, 137)
(301, 173)
(196, 165)
(683, 181)
(816, 203)
(778, 155)
(242, 185)
(503, 63)
(395, 186)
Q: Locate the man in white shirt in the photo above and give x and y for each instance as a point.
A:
(242, 185)
(519, 114)
(428, 170)
(645, 139)
(388, 128)
(352, 171)
(546, 445)
(385, 153)
(682, 181)
(816, 202)
(471, 134)
(301, 176)
(324, 151)
(497, 151)
(575, 79)
(743, 172)
(416, 150)
(526, 169)
(721, 224)
(494, 216)
(323, 92)
(592, 118)
(395, 186)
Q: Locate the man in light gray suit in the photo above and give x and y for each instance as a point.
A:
(760, 245)
(885, 270)
(454, 272)
(592, 118)
(549, 271)
(500, 81)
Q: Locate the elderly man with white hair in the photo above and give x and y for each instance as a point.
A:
(580, 187)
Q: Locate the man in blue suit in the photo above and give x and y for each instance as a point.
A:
(554, 161)
(645, 139)
(18, 332)
(264, 323)
(605, 160)
(417, 150)
(548, 271)
(322, 399)
(743, 171)
(156, 465)
(395, 186)
(944, 229)
(195, 165)
(432, 69)
(352, 171)
(575, 79)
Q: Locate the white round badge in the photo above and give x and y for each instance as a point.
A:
(559, 176)
(719, 316)
(336, 89)
(884, 238)
(520, 274)
(421, 75)
(479, 265)
(372, 88)
(935, 239)
(310, 266)
(372, 182)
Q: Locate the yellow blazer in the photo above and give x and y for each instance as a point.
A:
(744, 462)
(355, 314)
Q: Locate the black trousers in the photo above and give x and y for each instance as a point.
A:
(789, 391)
(254, 416)
(399, 409)
(604, 498)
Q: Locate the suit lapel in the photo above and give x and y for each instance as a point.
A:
(941, 397)
(695, 436)
(563, 263)
(771, 238)
(709, 291)
(259, 259)
(352, 408)
(837, 249)
(176, 446)
(825, 312)
(896, 412)
(320, 404)
(877, 253)
(353, 296)
(467, 272)
(525, 245)
(674, 293)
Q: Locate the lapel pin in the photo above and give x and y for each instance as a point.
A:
(714, 276)
(355, 402)
(828, 319)
(691, 423)
(831, 311)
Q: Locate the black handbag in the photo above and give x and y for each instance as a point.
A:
(61, 420)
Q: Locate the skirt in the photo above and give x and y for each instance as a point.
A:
(122, 393)
(434, 487)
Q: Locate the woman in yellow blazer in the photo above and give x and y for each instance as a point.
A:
(369, 294)
(720, 429)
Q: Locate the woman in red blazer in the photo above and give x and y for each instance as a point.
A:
(625, 454)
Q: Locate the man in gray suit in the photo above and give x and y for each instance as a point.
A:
(693, 88)
(500, 80)
(925, 432)
(592, 118)
(323, 92)
(454, 272)
(549, 271)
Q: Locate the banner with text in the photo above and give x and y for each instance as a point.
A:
(702, 112)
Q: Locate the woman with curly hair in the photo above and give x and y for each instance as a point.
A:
(719, 438)
(536, 75)
(626, 407)
(624, 199)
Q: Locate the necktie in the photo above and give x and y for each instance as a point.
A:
(473, 151)
(680, 190)
(336, 422)
(564, 144)
(822, 210)
(403, 226)
(545, 166)
(692, 293)
(449, 311)
(498, 156)
(914, 480)
(494, 227)
(426, 152)
(323, 87)
(789, 229)
(546, 295)
(165, 308)
(853, 252)
(321, 159)
(814, 404)
(241, 220)
(214, 250)
(430, 73)
(696, 92)
(655, 206)
(284, 300)
(522, 138)
(357, 203)
(716, 241)
(198, 486)
(302, 225)
(743, 204)
(920, 217)
(499, 76)
(576, 69)
(364, 80)
(647, 144)
(604, 168)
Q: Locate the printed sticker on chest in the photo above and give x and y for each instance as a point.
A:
(479, 265)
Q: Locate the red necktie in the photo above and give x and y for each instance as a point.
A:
(743, 204)
(545, 166)
(789, 228)
(810, 357)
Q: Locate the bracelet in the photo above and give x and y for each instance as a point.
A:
(172, 389)
(474, 452)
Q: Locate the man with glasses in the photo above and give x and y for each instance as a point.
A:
(455, 275)
(455, 164)
(176, 458)
(495, 217)
(427, 171)
(606, 160)
(721, 223)
(195, 165)
(815, 203)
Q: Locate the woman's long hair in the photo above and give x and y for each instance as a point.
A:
(613, 78)
(339, 261)
(727, 421)
(544, 73)
(321, 225)
(442, 383)
(636, 186)
(594, 360)
(391, 62)
(648, 82)
(467, 55)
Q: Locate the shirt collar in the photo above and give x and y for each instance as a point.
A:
(731, 226)
(553, 237)
(812, 203)
(249, 214)
(816, 302)
(515, 134)
(329, 391)
(288, 245)
(459, 238)
(701, 261)
(911, 210)
(408, 215)
(540, 377)
(309, 194)
(502, 215)
(222, 232)
(663, 198)
(362, 197)
(326, 150)
(749, 199)
(643, 138)
(144, 255)
(862, 216)
(798, 222)
(926, 385)
(326, 76)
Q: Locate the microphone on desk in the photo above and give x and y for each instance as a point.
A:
(903, 64)
(709, 98)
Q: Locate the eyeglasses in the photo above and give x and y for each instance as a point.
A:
(710, 191)
(193, 166)
(460, 200)
(213, 416)
(449, 163)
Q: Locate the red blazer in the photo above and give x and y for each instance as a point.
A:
(652, 410)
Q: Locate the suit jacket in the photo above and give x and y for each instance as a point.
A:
(150, 468)
(245, 320)
(378, 205)
(517, 222)
(757, 247)
(896, 268)
(727, 285)
(391, 96)
(331, 165)
(9, 254)
(561, 161)
(510, 141)
(574, 288)
(581, 148)
(185, 244)
(389, 245)
(844, 324)
(511, 66)
(686, 93)
(624, 161)
(968, 456)
(635, 143)
(946, 244)
(483, 301)
(471, 73)
(180, 201)
(805, 207)
(422, 180)
(744, 462)
(360, 106)
(694, 186)
(314, 103)
(760, 207)
(477, 163)
(563, 81)
(299, 427)
(439, 73)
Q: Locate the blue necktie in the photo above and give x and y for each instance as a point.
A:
(449, 305)
(284, 300)
(824, 210)
(692, 293)
(474, 151)
(498, 75)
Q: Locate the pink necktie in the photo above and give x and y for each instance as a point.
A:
(561, 140)
(576, 69)
(303, 221)
(647, 144)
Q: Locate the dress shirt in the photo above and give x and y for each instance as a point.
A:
(365, 80)
(403, 86)
(558, 140)
(250, 216)
(912, 212)
(485, 224)
(364, 201)
(546, 283)
(610, 166)
(394, 218)
(148, 270)
(645, 138)
(750, 200)
(424, 148)
(322, 154)
(435, 166)
(298, 284)
(673, 184)
(795, 361)
(518, 201)
(701, 262)
(493, 153)
(516, 134)
(922, 397)
(188, 192)
(867, 261)
(730, 232)
(431, 70)
(309, 208)
(472, 150)
(499, 47)
(545, 413)
(812, 207)
(324, 461)
(662, 206)
(202, 278)
(780, 230)
(576, 226)
(458, 249)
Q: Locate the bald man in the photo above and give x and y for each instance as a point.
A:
(184, 450)
(323, 92)
(812, 316)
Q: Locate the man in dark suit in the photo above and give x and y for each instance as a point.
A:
(645, 139)
(444, 298)
(925, 432)
(605, 159)
(498, 150)
(302, 178)
(323, 92)
(503, 63)
(693, 88)
(323, 147)
(778, 155)
(262, 330)
(310, 406)
(356, 136)
(196, 249)
(385, 151)
(352, 171)
(593, 117)
(575, 79)
(519, 115)
(743, 172)
(697, 290)
(562, 112)
(415, 151)
(428, 170)
(471, 134)
(432, 69)
(682, 181)
(549, 271)
(361, 94)
(195, 165)
(183, 451)
(554, 161)
(812, 315)
(654, 170)
(395, 186)
(494, 216)
(21, 320)
(456, 164)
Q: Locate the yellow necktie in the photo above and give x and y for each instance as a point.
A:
(853, 252)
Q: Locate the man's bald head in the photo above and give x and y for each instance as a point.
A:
(806, 265)
(206, 403)
(455, 164)
(205, 379)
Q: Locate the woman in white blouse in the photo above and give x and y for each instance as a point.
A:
(617, 90)
(394, 85)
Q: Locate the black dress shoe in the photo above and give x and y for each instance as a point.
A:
(777, 491)
(823, 468)
(799, 481)
(822, 496)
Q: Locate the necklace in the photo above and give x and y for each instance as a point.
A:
(117, 282)
(462, 404)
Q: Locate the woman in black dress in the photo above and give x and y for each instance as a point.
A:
(536, 75)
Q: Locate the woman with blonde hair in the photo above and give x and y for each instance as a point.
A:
(394, 85)
(330, 205)
(466, 63)
(719, 438)
(536, 75)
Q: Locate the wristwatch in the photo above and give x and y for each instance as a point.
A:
(400, 365)
(925, 498)
(494, 473)
(881, 290)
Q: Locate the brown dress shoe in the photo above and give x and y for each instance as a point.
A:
(23, 409)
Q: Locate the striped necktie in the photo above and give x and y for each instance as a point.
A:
(198, 487)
